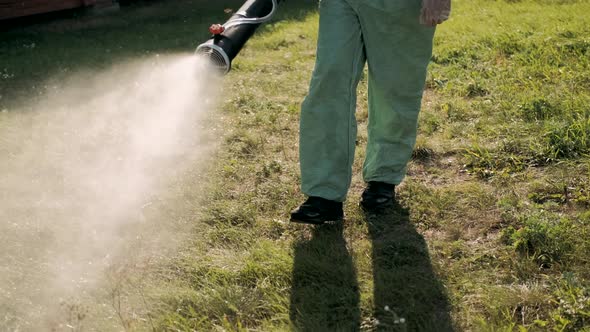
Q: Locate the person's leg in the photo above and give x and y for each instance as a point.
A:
(398, 50)
(328, 125)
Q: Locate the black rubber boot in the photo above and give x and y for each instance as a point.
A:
(317, 211)
(378, 196)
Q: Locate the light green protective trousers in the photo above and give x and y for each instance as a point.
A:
(388, 36)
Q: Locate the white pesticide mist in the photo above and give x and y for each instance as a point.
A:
(79, 167)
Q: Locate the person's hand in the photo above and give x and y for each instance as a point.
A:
(435, 12)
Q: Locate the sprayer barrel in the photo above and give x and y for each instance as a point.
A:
(222, 48)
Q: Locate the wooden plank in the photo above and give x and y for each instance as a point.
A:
(19, 8)
(25, 8)
(16, 4)
(30, 7)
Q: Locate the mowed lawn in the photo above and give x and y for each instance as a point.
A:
(492, 227)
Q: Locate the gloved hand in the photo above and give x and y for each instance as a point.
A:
(435, 12)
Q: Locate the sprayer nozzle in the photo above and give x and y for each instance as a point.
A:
(216, 56)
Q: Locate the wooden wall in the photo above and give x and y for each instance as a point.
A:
(19, 8)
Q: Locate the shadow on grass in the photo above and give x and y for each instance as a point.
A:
(325, 294)
(407, 295)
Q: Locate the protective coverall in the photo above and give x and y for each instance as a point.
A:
(386, 34)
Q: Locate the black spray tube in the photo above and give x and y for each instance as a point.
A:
(228, 39)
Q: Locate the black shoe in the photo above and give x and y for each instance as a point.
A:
(378, 196)
(317, 211)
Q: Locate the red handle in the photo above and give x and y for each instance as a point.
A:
(216, 29)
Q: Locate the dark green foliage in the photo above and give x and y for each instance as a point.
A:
(538, 110)
(544, 237)
(570, 139)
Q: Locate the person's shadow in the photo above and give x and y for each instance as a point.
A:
(325, 294)
(407, 295)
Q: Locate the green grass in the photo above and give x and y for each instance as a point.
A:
(492, 225)
(79, 42)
